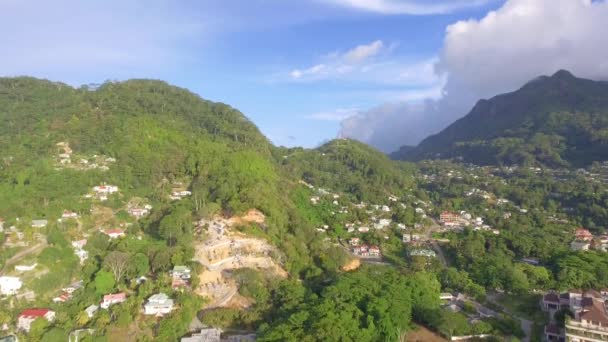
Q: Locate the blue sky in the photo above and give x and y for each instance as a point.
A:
(302, 70)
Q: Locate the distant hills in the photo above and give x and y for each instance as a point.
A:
(559, 120)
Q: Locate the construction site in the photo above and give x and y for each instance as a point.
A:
(225, 250)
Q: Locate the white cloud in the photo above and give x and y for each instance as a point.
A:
(363, 52)
(413, 7)
(499, 53)
(334, 115)
(371, 64)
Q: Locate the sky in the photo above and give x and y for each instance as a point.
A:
(386, 72)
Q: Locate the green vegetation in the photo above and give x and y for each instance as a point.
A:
(553, 121)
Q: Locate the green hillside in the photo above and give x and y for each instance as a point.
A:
(555, 121)
(350, 166)
(149, 138)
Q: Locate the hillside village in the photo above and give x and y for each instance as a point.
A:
(407, 229)
(148, 224)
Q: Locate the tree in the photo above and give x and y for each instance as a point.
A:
(140, 264)
(82, 319)
(104, 282)
(118, 263)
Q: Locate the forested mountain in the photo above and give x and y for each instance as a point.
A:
(554, 121)
(148, 138)
(351, 167)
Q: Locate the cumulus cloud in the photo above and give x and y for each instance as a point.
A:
(499, 53)
(67, 38)
(363, 52)
(408, 7)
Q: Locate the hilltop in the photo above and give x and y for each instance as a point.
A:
(555, 121)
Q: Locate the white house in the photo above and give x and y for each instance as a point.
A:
(9, 285)
(28, 316)
(159, 304)
(91, 310)
(69, 214)
(79, 244)
(39, 223)
(105, 189)
(25, 268)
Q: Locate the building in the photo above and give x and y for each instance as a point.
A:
(590, 322)
(140, 212)
(69, 214)
(158, 305)
(24, 322)
(374, 251)
(111, 299)
(25, 268)
(554, 333)
(114, 233)
(105, 189)
(91, 310)
(39, 223)
(181, 272)
(583, 234)
(205, 335)
(450, 219)
(423, 252)
(580, 245)
(79, 244)
(10, 285)
(411, 238)
(180, 276)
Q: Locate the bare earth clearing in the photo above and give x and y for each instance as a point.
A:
(224, 251)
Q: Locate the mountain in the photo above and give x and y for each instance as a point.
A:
(147, 141)
(556, 121)
(351, 167)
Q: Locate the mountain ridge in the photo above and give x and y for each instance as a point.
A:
(566, 113)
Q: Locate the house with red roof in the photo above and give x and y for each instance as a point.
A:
(583, 234)
(111, 299)
(24, 322)
(114, 233)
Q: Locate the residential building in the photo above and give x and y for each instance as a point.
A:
(450, 219)
(423, 252)
(205, 335)
(79, 244)
(590, 322)
(24, 322)
(91, 310)
(554, 333)
(580, 245)
(9, 285)
(114, 233)
(25, 268)
(583, 234)
(374, 251)
(69, 214)
(354, 241)
(182, 272)
(39, 223)
(159, 304)
(105, 189)
(111, 299)
(411, 238)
